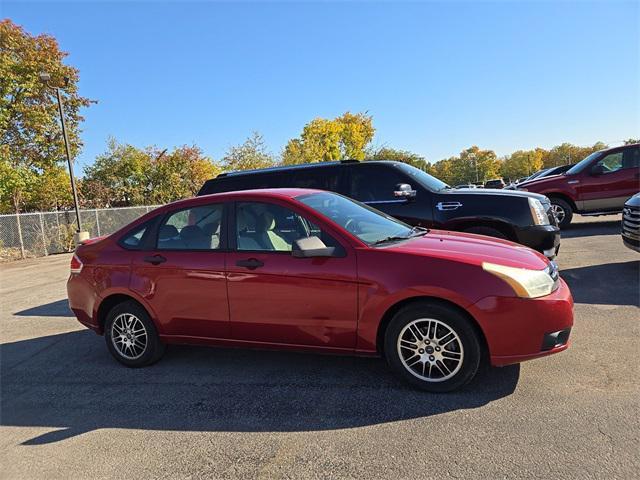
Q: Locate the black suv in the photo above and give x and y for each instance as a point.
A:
(414, 197)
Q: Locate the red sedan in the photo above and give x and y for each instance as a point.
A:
(306, 269)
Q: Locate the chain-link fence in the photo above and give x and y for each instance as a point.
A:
(38, 234)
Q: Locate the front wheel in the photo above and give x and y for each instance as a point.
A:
(432, 346)
(562, 211)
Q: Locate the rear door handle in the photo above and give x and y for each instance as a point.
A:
(155, 259)
(251, 263)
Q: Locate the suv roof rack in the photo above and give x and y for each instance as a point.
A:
(284, 167)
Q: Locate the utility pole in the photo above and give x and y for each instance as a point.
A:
(80, 235)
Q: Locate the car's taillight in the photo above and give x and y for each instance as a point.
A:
(76, 264)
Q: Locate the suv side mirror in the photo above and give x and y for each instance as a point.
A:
(597, 169)
(309, 247)
(404, 190)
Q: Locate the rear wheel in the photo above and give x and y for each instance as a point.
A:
(488, 231)
(432, 346)
(562, 211)
(131, 336)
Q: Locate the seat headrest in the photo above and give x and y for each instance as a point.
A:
(192, 232)
(167, 232)
(265, 222)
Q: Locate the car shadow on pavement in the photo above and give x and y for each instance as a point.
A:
(608, 283)
(68, 382)
(590, 229)
(59, 308)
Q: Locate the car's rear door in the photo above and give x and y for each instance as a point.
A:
(276, 298)
(182, 276)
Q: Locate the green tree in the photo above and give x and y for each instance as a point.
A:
(251, 154)
(631, 141)
(522, 163)
(179, 174)
(16, 183)
(120, 177)
(51, 190)
(567, 153)
(29, 122)
(322, 140)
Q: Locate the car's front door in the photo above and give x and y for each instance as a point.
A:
(275, 297)
(376, 185)
(616, 178)
(183, 275)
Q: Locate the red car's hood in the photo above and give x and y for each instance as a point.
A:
(471, 249)
(545, 182)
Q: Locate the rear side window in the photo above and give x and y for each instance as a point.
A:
(133, 240)
(632, 158)
(196, 228)
(321, 178)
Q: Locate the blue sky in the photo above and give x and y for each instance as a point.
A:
(437, 77)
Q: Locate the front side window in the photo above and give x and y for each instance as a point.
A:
(369, 225)
(584, 163)
(611, 163)
(196, 228)
(374, 183)
(269, 227)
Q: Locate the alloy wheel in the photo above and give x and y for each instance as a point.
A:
(129, 336)
(558, 212)
(430, 350)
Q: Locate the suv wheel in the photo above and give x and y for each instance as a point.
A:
(131, 336)
(562, 211)
(433, 347)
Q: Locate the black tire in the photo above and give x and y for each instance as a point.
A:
(469, 351)
(563, 211)
(488, 231)
(153, 348)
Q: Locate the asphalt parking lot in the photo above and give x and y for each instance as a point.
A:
(69, 411)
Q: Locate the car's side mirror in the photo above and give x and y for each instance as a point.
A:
(597, 170)
(404, 191)
(309, 247)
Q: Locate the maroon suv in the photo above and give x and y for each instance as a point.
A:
(598, 185)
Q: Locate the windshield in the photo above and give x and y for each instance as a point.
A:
(423, 178)
(582, 164)
(369, 225)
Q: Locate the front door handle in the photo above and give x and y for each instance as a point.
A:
(251, 263)
(155, 259)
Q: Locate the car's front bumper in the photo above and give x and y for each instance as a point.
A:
(543, 238)
(519, 329)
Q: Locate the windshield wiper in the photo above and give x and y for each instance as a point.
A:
(392, 238)
(414, 232)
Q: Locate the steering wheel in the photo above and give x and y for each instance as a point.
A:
(352, 226)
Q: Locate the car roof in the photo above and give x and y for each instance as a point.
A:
(282, 193)
(303, 166)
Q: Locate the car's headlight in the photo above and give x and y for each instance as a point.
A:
(538, 212)
(527, 283)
